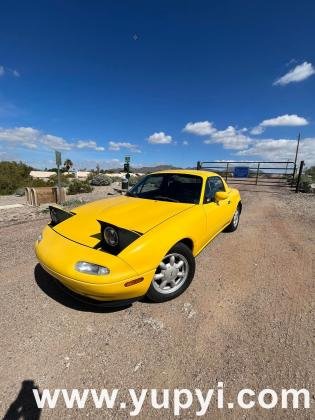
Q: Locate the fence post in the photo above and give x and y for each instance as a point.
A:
(257, 174)
(299, 176)
(227, 171)
(293, 175)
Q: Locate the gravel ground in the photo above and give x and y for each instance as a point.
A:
(247, 320)
(299, 204)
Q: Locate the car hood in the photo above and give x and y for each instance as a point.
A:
(135, 214)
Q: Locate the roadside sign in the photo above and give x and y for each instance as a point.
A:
(58, 163)
(127, 159)
(241, 172)
(58, 158)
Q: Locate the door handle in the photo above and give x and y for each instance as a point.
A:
(229, 202)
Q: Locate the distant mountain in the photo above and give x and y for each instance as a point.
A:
(144, 169)
(148, 169)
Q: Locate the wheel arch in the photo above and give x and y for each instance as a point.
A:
(188, 242)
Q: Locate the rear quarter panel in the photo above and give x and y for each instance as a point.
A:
(235, 198)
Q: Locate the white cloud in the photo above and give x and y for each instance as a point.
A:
(281, 149)
(33, 138)
(292, 120)
(268, 149)
(19, 135)
(201, 128)
(29, 145)
(89, 144)
(185, 143)
(160, 138)
(257, 130)
(230, 138)
(284, 120)
(299, 73)
(4, 70)
(54, 142)
(116, 146)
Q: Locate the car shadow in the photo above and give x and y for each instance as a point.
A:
(60, 294)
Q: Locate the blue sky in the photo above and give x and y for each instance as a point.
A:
(163, 81)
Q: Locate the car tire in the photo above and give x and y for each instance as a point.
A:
(173, 275)
(235, 221)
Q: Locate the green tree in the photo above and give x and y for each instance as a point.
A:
(68, 164)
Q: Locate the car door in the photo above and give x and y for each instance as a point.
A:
(217, 213)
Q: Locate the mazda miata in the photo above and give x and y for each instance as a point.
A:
(143, 243)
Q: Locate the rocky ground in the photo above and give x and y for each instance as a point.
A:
(247, 320)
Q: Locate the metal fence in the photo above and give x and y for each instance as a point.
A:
(268, 173)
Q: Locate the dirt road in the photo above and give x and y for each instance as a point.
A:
(246, 320)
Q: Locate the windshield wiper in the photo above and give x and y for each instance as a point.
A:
(163, 198)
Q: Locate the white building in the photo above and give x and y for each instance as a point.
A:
(42, 174)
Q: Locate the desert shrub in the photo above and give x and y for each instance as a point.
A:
(74, 202)
(311, 172)
(7, 186)
(12, 176)
(305, 184)
(20, 192)
(65, 180)
(101, 180)
(37, 182)
(115, 178)
(90, 176)
(78, 186)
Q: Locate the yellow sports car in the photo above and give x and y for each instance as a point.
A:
(142, 243)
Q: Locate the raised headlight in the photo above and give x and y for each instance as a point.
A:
(110, 236)
(114, 239)
(58, 215)
(89, 268)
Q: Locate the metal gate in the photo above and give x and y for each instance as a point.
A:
(267, 173)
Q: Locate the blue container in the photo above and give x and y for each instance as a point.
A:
(241, 172)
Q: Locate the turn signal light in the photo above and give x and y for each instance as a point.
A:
(132, 282)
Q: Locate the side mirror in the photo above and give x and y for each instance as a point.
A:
(221, 195)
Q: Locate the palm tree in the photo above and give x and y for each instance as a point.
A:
(68, 164)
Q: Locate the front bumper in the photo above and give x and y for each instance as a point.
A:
(58, 256)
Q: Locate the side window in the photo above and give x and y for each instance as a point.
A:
(213, 185)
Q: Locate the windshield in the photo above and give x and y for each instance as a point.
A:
(178, 188)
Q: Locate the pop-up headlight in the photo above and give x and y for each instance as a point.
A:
(58, 215)
(114, 239)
